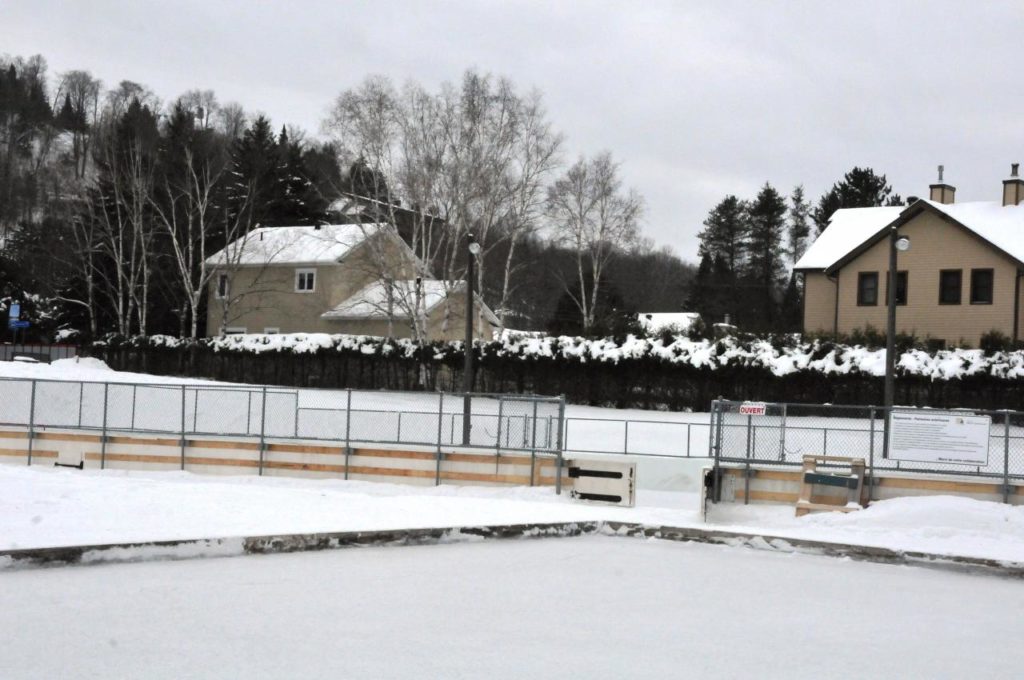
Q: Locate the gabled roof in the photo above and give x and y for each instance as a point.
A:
(325, 244)
(371, 301)
(847, 229)
(853, 230)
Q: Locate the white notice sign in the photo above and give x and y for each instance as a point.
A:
(926, 437)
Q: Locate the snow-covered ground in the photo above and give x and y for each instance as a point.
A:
(568, 608)
(44, 507)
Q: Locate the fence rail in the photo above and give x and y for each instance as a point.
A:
(502, 423)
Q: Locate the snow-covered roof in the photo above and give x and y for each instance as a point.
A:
(656, 322)
(294, 245)
(851, 228)
(847, 229)
(1002, 226)
(371, 301)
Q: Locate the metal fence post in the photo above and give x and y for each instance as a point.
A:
(497, 439)
(440, 420)
(263, 429)
(135, 389)
(533, 444)
(688, 440)
(348, 429)
(746, 471)
(182, 427)
(81, 390)
(871, 457)
(625, 439)
(1006, 456)
(398, 439)
(560, 442)
(31, 421)
(103, 436)
(782, 436)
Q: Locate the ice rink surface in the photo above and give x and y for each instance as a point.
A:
(592, 607)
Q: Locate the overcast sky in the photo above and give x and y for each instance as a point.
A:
(696, 99)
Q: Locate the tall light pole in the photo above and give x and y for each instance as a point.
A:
(472, 250)
(897, 243)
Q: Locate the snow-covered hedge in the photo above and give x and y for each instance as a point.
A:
(782, 356)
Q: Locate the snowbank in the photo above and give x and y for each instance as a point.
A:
(41, 507)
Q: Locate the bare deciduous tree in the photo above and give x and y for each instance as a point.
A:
(595, 217)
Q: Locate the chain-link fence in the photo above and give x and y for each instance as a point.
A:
(782, 434)
(503, 423)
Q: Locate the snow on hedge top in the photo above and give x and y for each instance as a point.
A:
(847, 229)
(374, 300)
(294, 245)
(783, 356)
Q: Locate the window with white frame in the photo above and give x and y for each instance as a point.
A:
(305, 280)
(223, 286)
(271, 331)
(235, 330)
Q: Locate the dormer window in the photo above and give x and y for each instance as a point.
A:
(305, 280)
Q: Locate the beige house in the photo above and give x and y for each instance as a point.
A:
(359, 279)
(959, 279)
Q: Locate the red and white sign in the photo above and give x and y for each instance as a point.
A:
(753, 408)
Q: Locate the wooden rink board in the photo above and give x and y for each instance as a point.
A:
(783, 486)
(228, 455)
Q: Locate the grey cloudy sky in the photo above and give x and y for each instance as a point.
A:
(695, 99)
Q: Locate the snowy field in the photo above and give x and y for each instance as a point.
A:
(569, 608)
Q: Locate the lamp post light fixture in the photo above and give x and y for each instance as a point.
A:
(472, 251)
(897, 244)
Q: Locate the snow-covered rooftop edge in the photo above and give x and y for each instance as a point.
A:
(779, 358)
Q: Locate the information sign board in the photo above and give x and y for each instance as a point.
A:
(926, 437)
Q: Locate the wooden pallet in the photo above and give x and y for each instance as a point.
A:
(853, 482)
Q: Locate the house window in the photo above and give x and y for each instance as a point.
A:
(901, 288)
(235, 330)
(223, 286)
(305, 280)
(271, 331)
(981, 286)
(949, 286)
(867, 288)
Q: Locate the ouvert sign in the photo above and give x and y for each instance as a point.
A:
(927, 437)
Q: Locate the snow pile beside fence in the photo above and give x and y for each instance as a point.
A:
(780, 356)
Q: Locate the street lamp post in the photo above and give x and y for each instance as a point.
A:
(897, 244)
(472, 250)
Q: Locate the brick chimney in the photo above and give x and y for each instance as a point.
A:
(940, 191)
(1013, 188)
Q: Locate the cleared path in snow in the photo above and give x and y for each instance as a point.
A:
(588, 607)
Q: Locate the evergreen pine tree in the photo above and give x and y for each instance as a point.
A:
(799, 224)
(254, 171)
(765, 267)
(859, 188)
